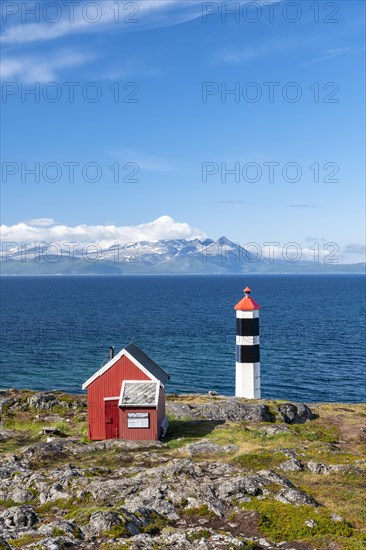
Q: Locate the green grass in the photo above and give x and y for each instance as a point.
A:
(181, 432)
(33, 427)
(115, 546)
(156, 524)
(57, 532)
(198, 535)
(338, 492)
(82, 515)
(9, 503)
(117, 531)
(259, 460)
(202, 511)
(318, 432)
(280, 522)
(59, 504)
(326, 456)
(24, 541)
(341, 493)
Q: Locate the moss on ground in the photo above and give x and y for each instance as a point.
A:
(198, 535)
(259, 460)
(25, 540)
(334, 437)
(200, 511)
(279, 521)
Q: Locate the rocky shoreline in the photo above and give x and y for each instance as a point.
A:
(230, 473)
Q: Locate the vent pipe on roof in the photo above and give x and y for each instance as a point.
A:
(111, 352)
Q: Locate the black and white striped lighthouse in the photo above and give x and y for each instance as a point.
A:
(247, 379)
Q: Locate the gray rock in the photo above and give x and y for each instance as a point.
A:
(4, 545)
(100, 522)
(326, 469)
(6, 434)
(20, 495)
(68, 527)
(336, 517)
(318, 468)
(290, 453)
(310, 523)
(56, 543)
(289, 495)
(42, 401)
(233, 409)
(54, 492)
(6, 402)
(152, 498)
(237, 488)
(180, 411)
(295, 413)
(292, 465)
(19, 516)
(231, 488)
(181, 540)
(273, 477)
(5, 472)
(134, 524)
(275, 429)
(207, 447)
(45, 451)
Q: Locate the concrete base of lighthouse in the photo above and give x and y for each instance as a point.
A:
(247, 380)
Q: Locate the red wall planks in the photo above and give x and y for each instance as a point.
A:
(138, 434)
(108, 385)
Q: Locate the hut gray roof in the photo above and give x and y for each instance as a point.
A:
(139, 394)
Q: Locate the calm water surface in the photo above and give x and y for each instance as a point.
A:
(56, 331)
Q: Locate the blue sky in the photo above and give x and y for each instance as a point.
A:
(172, 125)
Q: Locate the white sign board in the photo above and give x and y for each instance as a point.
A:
(138, 420)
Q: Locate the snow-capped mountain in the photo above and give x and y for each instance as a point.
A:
(177, 256)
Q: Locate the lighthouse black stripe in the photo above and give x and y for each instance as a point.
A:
(247, 354)
(247, 327)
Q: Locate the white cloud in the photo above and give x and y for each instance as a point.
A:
(136, 15)
(237, 54)
(46, 230)
(145, 162)
(41, 68)
(42, 222)
(328, 54)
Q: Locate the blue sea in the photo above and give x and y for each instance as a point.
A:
(56, 331)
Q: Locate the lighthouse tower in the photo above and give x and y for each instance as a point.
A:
(247, 383)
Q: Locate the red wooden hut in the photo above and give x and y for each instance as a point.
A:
(126, 398)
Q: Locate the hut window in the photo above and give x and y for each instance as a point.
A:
(138, 420)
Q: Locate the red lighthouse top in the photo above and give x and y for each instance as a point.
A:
(247, 303)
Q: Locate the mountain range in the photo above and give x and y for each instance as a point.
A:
(176, 256)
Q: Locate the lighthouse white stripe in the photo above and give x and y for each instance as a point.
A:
(247, 340)
(247, 314)
(248, 380)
